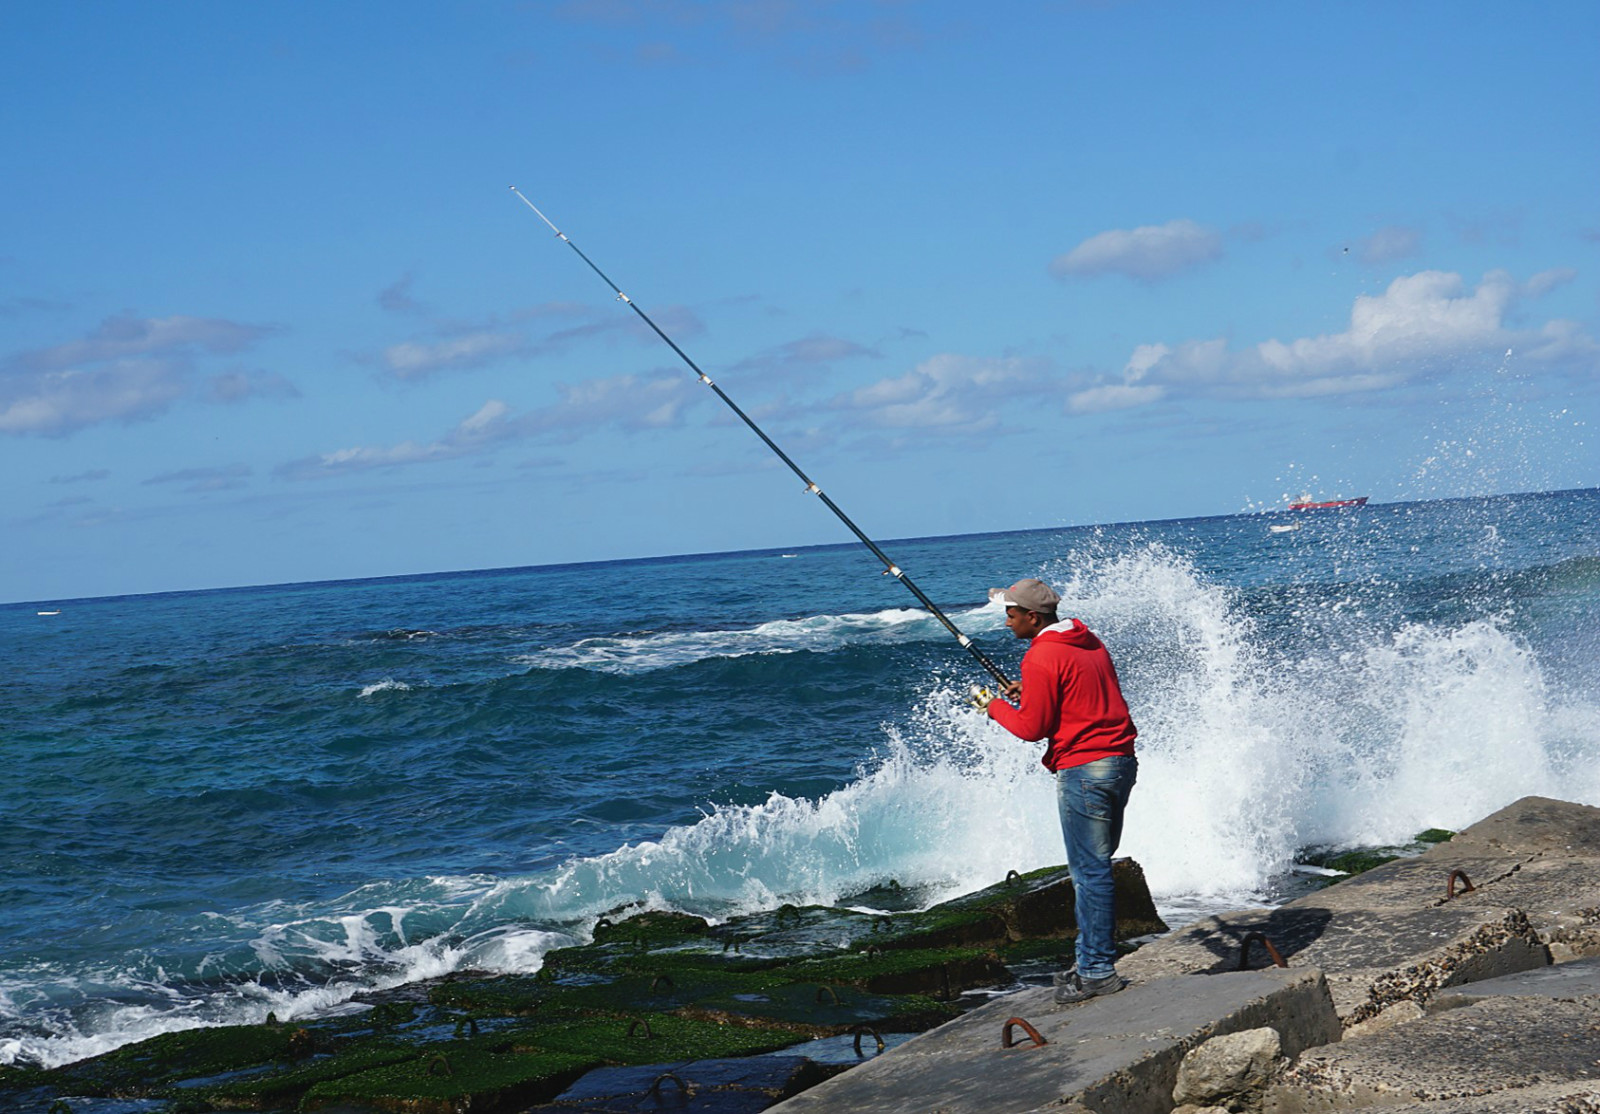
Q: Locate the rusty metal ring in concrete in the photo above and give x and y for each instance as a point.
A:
(436, 1062)
(468, 1024)
(1033, 1034)
(655, 1088)
(1244, 950)
(863, 1030)
(659, 979)
(826, 992)
(1450, 886)
(634, 1026)
(1013, 876)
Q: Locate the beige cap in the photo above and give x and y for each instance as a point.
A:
(1030, 595)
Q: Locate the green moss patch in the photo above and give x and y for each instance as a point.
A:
(454, 1079)
(942, 927)
(652, 929)
(282, 1090)
(1434, 835)
(193, 1053)
(823, 1009)
(652, 1038)
(506, 995)
(939, 972)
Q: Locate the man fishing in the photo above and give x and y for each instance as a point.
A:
(1069, 695)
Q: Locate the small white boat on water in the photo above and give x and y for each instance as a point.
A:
(49, 613)
(1285, 528)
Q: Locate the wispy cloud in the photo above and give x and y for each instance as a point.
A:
(629, 402)
(226, 477)
(1423, 325)
(806, 354)
(127, 369)
(1397, 241)
(416, 360)
(56, 403)
(126, 336)
(1148, 253)
(237, 386)
(542, 330)
(24, 304)
(396, 298)
(948, 392)
(82, 477)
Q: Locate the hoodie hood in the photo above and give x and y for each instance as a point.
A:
(1072, 632)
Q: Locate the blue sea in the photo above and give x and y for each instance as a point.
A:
(219, 804)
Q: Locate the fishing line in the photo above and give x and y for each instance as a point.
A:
(889, 566)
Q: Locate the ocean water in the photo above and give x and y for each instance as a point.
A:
(220, 804)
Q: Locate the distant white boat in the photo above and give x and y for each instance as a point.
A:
(49, 613)
(1286, 528)
(788, 555)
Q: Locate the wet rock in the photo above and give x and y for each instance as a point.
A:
(1230, 1071)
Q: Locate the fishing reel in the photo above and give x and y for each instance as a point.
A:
(980, 698)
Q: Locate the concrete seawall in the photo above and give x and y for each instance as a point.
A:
(1425, 984)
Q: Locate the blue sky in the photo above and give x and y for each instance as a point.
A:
(268, 311)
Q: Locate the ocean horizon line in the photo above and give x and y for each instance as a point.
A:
(669, 558)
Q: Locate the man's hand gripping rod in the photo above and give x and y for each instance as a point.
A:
(889, 566)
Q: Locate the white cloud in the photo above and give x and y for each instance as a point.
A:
(127, 369)
(1546, 281)
(122, 337)
(1147, 253)
(945, 392)
(414, 360)
(236, 386)
(222, 478)
(1422, 325)
(1114, 396)
(630, 402)
(55, 403)
(809, 352)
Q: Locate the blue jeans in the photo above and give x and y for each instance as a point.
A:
(1091, 799)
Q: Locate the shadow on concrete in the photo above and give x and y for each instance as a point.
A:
(1288, 931)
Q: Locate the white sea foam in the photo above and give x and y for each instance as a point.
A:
(388, 684)
(663, 650)
(1250, 748)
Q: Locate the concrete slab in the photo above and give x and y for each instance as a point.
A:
(1535, 825)
(1392, 933)
(1119, 1053)
(1559, 1098)
(1372, 957)
(1499, 1044)
(1561, 897)
(1578, 979)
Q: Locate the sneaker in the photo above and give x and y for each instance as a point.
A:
(1070, 988)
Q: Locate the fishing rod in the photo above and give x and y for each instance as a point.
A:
(889, 566)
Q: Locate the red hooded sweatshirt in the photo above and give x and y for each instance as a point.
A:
(1070, 696)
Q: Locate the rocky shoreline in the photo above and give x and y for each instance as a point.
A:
(657, 1001)
(1464, 980)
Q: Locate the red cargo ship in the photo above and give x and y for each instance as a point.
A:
(1304, 503)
